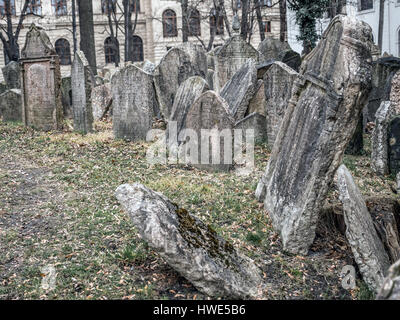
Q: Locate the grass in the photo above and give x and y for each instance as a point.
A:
(58, 208)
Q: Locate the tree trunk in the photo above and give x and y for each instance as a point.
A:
(86, 26)
(381, 23)
(73, 8)
(283, 21)
(259, 19)
(185, 21)
(245, 21)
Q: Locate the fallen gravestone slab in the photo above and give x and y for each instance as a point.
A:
(365, 243)
(240, 89)
(189, 246)
(318, 124)
(391, 286)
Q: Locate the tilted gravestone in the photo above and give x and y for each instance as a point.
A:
(394, 145)
(174, 68)
(278, 83)
(81, 84)
(11, 105)
(318, 124)
(230, 58)
(189, 246)
(187, 94)
(101, 101)
(258, 103)
(12, 76)
(198, 58)
(365, 243)
(240, 89)
(384, 70)
(212, 150)
(41, 82)
(256, 122)
(133, 100)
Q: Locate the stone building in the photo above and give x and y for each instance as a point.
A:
(158, 28)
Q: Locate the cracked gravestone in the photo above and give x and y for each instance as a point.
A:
(189, 246)
(319, 122)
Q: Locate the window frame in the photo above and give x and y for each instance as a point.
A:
(174, 24)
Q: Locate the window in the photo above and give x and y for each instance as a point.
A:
(266, 3)
(3, 7)
(216, 26)
(267, 26)
(63, 51)
(365, 5)
(169, 24)
(111, 50)
(136, 5)
(108, 6)
(137, 49)
(194, 23)
(34, 7)
(60, 7)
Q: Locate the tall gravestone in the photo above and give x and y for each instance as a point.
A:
(174, 68)
(319, 122)
(82, 83)
(231, 57)
(278, 83)
(133, 101)
(11, 74)
(41, 82)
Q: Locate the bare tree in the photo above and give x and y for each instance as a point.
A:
(381, 22)
(8, 37)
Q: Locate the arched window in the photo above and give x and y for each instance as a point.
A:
(216, 22)
(170, 28)
(64, 51)
(194, 23)
(111, 50)
(137, 48)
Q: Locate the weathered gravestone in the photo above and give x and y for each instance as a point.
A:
(187, 94)
(41, 82)
(318, 124)
(198, 58)
(189, 246)
(258, 103)
(133, 101)
(356, 143)
(391, 286)
(210, 120)
(365, 243)
(384, 70)
(395, 93)
(146, 66)
(101, 101)
(12, 76)
(274, 50)
(82, 83)
(11, 105)
(231, 57)
(240, 89)
(278, 84)
(3, 87)
(256, 122)
(66, 96)
(174, 68)
(210, 78)
(394, 145)
(379, 140)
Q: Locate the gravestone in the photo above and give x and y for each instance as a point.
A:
(395, 93)
(66, 96)
(379, 139)
(384, 70)
(240, 89)
(41, 82)
(174, 68)
(270, 48)
(394, 145)
(3, 87)
(210, 111)
(290, 58)
(256, 122)
(278, 83)
(391, 286)
(258, 103)
(133, 100)
(367, 247)
(356, 144)
(198, 58)
(210, 78)
(82, 83)
(146, 66)
(320, 120)
(231, 57)
(101, 101)
(12, 76)
(187, 94)
(189, 246)
(11, 105)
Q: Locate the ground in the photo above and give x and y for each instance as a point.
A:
(57, 207)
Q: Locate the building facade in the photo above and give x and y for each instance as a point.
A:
(158, 27)
(365, 10)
